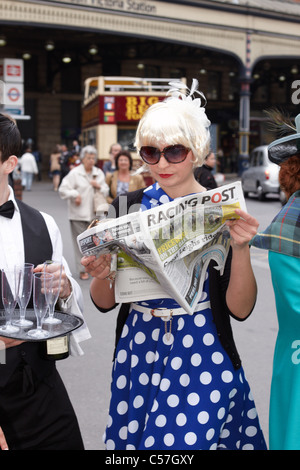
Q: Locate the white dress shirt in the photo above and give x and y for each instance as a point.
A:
(11, 237)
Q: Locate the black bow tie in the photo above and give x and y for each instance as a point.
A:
(7, 209)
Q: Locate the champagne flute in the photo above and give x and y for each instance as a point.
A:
(10, 280)
(42, 283)
(55, 268)
(26, 275)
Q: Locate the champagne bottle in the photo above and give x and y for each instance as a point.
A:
(55, 349)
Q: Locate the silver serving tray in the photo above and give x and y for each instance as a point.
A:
(69, 323)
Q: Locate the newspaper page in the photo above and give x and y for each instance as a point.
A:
(165, 251)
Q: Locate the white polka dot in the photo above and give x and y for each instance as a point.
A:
(169, 439)
(121, 382)
(196, 360)
(215, 396)
(203, 417)
(143, 379)
(109, 421)
(225, 433)
(232, 393)
(147, 317)
(181, 419)
(227, 376)
(154, 406)
(123, 432)
(217, 357)
(210, 434)
(165, 384)
(180, 324)
(193, 399)
(160, 421)
(203, 296)
(221, 413)
(252, 413)
(134, 360)
(168, 339)
(199, 320)
(155, 334)
(133, 426)
(139, 338)
(184, 380)
(110, 445)
(187, 341)
(173, 400)
(208, 339)
(190, 438)
(124, 331)
(251, 431)
(138, 401)
(150, 357)
(122, 407)
(248, 447)
(122, 356)
(163, 199)
(155, 379)
(149, 442)
(205, 378)
(176, 363)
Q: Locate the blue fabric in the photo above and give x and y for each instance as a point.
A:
(174, 386)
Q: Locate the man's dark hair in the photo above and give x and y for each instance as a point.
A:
(10, 138)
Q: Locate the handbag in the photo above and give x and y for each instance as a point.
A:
(100, 203)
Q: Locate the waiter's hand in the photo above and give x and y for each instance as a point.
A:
(3, 443)
(9, 342)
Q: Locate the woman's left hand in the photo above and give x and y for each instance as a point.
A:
(242, 230)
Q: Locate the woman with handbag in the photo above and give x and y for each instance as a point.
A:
(81, 187)
(122, 180)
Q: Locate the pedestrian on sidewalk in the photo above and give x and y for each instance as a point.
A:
(78, 187)
(282, 239)
(28, 168)
(177, 379)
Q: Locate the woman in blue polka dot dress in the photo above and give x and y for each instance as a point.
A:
(177, 380)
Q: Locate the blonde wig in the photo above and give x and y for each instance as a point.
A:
(179, 119)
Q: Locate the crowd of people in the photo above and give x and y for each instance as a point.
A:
(177, 379)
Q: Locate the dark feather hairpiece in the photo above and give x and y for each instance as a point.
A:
(280, 123)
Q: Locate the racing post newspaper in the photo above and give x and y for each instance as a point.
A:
(164, 251)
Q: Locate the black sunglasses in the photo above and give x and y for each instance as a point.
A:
(172, 153)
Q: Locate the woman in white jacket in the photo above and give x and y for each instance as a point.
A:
(78, 186)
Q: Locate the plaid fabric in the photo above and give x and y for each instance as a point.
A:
(283, 234)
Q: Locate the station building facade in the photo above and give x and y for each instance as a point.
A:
(244, 53)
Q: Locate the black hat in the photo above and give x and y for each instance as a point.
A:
(284, 148)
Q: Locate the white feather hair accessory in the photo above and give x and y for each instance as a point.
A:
(180, 90)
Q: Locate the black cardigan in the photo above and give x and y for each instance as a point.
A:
(217, 290)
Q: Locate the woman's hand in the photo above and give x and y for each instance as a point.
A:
(97, 267)
(3, 443)
(102, 287)
(242, 230)
(77, 200)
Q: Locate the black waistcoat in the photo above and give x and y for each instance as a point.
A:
(37, 249)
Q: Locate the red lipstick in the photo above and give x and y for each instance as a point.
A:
(164, 175)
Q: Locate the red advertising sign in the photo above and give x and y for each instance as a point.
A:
(116, 109)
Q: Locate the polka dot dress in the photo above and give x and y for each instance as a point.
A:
(174, 387)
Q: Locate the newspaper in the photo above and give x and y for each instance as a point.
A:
(165, 251)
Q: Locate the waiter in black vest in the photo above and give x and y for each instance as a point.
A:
(35, 410)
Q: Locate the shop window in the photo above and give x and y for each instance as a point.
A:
(213, 86)
(70, 79)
